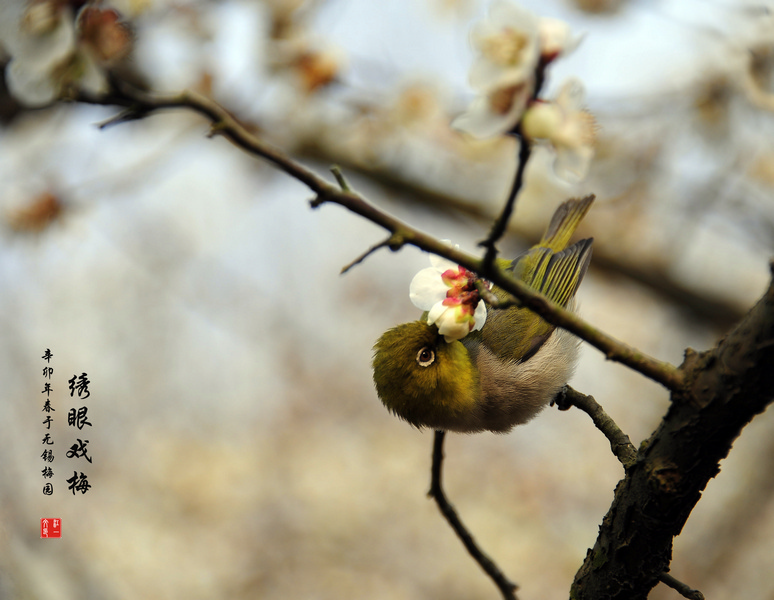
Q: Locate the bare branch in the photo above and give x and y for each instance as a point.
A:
(144, 104)
(684, 590)
(647, 270)
(620, 443)
(391, 242)
(501, 223)
(506, 587)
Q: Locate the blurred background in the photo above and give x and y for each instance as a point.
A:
(239, 449)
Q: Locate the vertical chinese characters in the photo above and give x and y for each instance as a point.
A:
(78, 418)
(48, 453)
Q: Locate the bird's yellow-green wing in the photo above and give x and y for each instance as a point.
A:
(551, 268)
(557, 275)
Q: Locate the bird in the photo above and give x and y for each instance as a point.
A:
(505, 373)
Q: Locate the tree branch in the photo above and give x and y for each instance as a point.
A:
(620, 443)
(393, 244)
(506, 587)
(615, 350)
(142, 104)
(647, 270)
(684, 590)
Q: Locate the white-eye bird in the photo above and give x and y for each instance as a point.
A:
(504, 374)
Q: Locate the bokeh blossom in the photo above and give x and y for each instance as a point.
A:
(570, 130)
(54, 50)
(511, 44)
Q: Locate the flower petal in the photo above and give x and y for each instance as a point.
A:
(510, 14)
(427, 288)
(451, 326)
(507, 47)
(435, 312)
(485, 76)
(482, 121)
(35, 59)
(556, 38)
(571, 95)
(479, 316)
(29, 87)
(572, 164)
(442, 264)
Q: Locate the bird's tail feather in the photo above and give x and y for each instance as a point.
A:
(565, 221)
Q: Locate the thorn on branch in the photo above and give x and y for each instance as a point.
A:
(486, 294)
(396, 241)
(217, 128)
(680, 587)
(134, 113)
(562, 400)
(336, 170)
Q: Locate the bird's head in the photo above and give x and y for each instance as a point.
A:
(422, 378)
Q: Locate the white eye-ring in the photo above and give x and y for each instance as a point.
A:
(425, 357)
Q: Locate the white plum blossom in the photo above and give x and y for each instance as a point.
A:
(569, 129)
(511, 44)
(495, 112)
(507, 45)
(447, 291)
(53, 51)
(40, 40)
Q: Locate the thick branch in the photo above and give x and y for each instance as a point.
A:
(725, 388)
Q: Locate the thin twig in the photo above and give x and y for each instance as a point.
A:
(389, 242)
(142, 104)
(680, 587)
(501, 224)
(506, 587)
(525, 151)
(620, 443)
(125, 116)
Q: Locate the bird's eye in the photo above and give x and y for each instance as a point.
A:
(425, 357)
